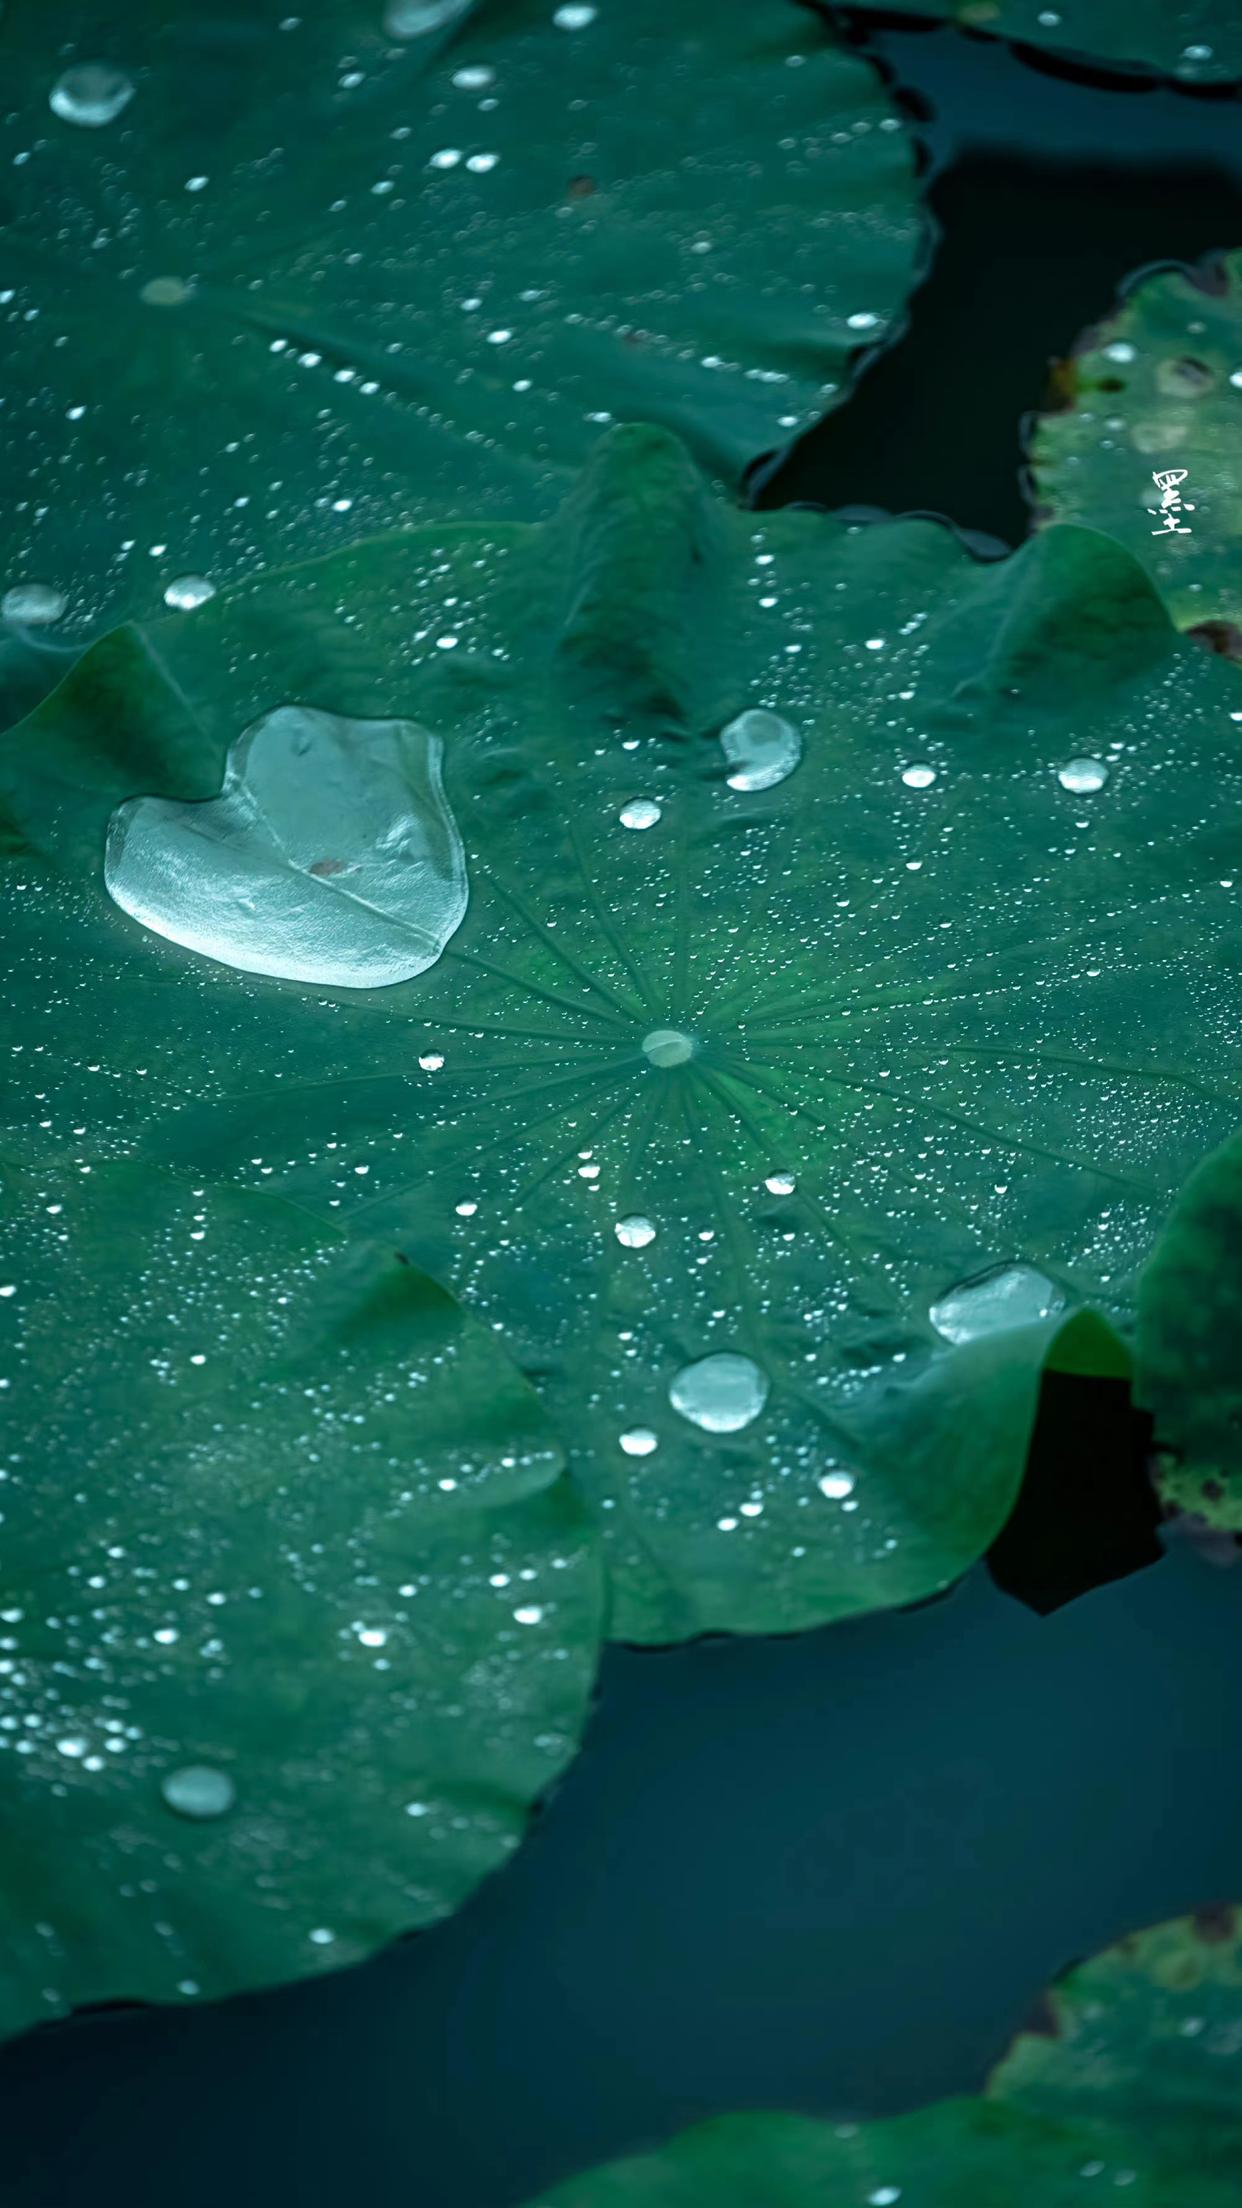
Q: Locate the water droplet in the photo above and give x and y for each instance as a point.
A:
(761, 748)
(721, 1393)
(1082, 776)
(165, 291)
(474, 78)
(431, 1061)
(919, 776)
(635, 1232)
(187, 591)
(780, 1184)
(667, 1046)
(310, 800)
(640, 812)
(1006, 1295)
(836, 1486)
(198, 1790)
(639, 1441)
(529, 1614)
(35, 604)
(574, 16)
(417, 18)
(91, 93)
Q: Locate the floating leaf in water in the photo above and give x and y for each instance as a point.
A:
(299, 1614)
(1190, 1342)
(1157, 391)
(330, 854)
(417, 266)
(1125, 2090)
(1196, 41)
(774, 1081)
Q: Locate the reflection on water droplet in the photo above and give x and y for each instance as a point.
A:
(187, 591)
(33, 603)
(761, 748)
(721, 1393)
(91, 93)
(837, 1485)
(415, 18)
(1007, 1295)
(197, 1790)
(918, 777)
(1082, 776)
(253, 877)
(165, 291)
(780, 1184)
(635, 1232)
(667, 1046)
(640, 812)
(639, 1441)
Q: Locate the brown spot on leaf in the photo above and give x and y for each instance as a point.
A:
(580, 187)
(1217, 1922)
(327, 866)
(1221, 637)
(1062, 386)
(1044, 2019)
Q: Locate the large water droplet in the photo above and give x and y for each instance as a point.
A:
(1082, 776)
(1007, 1295)
(761, 748)
(920, 776)
(639, 812)
(329, 856)
(639, 1441)
(667, 1046)
(780, 1184)
(199, 1790)
(721, 1393)
(92, 93)
(35, 604)
(187, 591)
(165, 291)
(416, 18)
(635, 1232)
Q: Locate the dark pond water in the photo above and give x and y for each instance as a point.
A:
(830, 1872)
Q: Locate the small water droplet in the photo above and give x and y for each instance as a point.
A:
(1082, 776)
(187, 591)
(198, 1790)
(35, 604)
(721, 1393)
(919, 776)
(762, 749)
(92, 93)
(780, 1184)
(635, 1232)
(1006, 1295)
(667, 1046)
(639, 1441)
(417, 18)
(640, 812)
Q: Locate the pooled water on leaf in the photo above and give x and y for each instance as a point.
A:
(667, 1046)
(36, 604)
(199, 1790)
(722, 1393)
(329, 856)
(91, 94)
(1007, 1295)
(1082, 776)
(762, 749)
(187, 591)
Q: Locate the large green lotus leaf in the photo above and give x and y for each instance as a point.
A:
(314, 279)
(1189, 1337)
(1132, 2093)
(1196, 41)
(1156, 389)
(859, 1081)
(299, 1614)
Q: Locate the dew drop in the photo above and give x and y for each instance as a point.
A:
(187, 591)
(417, 18)
(667, 1046)
(640, 812)
(1082, 776)
(91, 94)
(35, 604)
(639, 1441)
(836, 1486)
(919, 776)
(253, 877)
(761, 748)
(722, 1393)
(1006, 1295)
(198, 1790)
(635, 1232)
(780, 1184)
